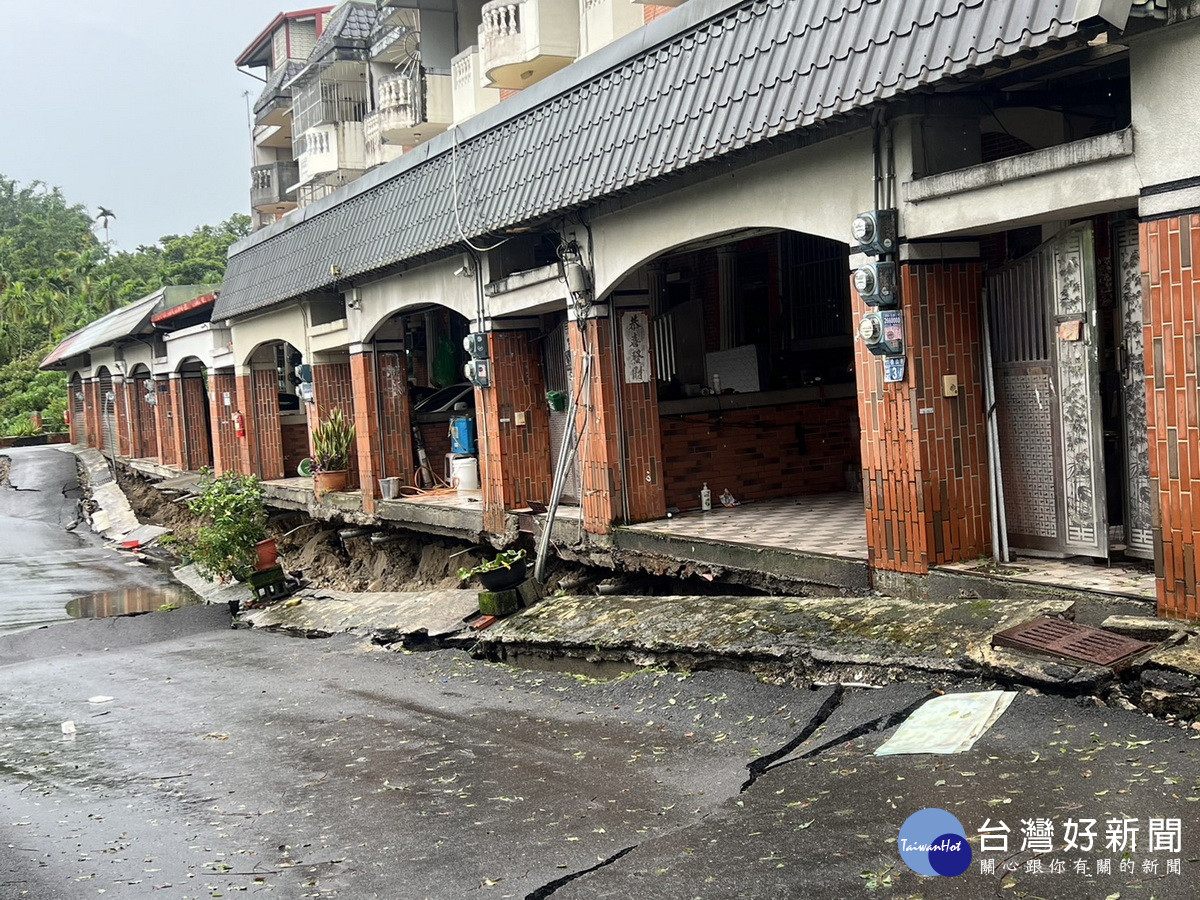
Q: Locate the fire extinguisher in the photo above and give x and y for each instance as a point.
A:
(239, 424)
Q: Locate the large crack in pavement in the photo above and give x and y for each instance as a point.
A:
(758, 766)
(547, 889)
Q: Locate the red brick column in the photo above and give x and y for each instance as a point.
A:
(92, 414)
(514, 459)
(1170, 251)
(133, 420)
(599, 451)
(164, 421)
(121, 416)
(224, 439)
(924, 456)
(177, 419)
(333, 388)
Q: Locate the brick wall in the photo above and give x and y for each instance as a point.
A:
(224, 434)
(924, 456)
(651, 11)
(1170, 250)
(164, 422)
(263, 429)
(515, 459)
(121, 416)
(197, 435)
(178, 419)
(333, 388)
(148, 433)
(760, 454)
(91, 403)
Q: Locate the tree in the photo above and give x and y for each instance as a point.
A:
(55, 277)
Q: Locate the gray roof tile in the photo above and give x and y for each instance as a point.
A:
(750, 72)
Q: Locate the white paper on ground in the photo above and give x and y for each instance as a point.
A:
(951, 723)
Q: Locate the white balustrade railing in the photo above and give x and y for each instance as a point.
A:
(502, 18)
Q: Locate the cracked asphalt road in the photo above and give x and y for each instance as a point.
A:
(244, 761)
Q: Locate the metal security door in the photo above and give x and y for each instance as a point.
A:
(1139, 539)
(1043, 310)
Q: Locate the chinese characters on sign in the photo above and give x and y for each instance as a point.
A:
(635, 341)
(1123, 836)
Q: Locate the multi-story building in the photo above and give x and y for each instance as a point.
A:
(280, 51)
(352, 87)
(650, 216)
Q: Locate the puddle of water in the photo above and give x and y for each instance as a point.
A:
(130, 602)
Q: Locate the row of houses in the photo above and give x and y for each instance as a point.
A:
(914, 282)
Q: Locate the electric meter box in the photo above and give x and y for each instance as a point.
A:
(876, 231)
(877, 284)
(479, 372)
(476, 345)
(883, 332)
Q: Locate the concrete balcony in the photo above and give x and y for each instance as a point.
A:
(523, 41)
(606, 20)
(329, 149)
(378, 149)
(410, 109)
(470, 96)
(269, 186)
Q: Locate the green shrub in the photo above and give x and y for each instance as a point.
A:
(233, 518)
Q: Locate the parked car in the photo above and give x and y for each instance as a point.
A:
(443, 400)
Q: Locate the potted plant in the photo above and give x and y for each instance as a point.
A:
(233, 522)
(332, 441)
(505, 570)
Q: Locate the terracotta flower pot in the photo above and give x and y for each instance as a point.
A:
(324, 482)
(267, 553)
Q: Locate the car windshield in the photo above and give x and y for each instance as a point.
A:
(444, 398)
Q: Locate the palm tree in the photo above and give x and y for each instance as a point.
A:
(103, 217)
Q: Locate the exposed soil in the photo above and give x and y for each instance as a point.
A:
(316, 552)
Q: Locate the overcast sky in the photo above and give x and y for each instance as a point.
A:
(132, 104)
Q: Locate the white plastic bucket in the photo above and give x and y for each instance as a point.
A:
(464, 473)
(389, 488)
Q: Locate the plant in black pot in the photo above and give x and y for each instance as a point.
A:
(504, 571)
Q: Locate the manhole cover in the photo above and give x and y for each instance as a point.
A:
(1058, 637)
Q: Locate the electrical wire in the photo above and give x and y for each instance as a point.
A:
(457, 199)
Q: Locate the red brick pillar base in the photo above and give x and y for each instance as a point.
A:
(925, 475)
(601, 428)
(515, 458)
(1170, 251)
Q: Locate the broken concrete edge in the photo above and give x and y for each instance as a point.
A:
(108, 513)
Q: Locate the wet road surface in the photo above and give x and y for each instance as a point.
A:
(44, 566)
(244, 761)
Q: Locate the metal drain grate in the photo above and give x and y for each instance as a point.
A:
(1058, 637)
